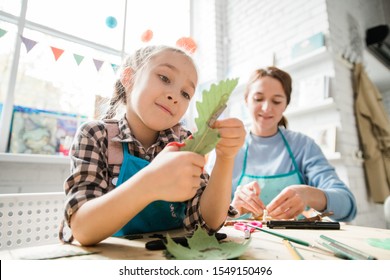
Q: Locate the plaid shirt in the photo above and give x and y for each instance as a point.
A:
(92, 176)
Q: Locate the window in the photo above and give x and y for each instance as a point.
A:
(69, 53)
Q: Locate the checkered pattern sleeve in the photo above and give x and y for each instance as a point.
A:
(89, 169)
(194, 217)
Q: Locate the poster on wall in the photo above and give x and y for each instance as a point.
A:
(313, 90)
(325, 137)
(36, 131)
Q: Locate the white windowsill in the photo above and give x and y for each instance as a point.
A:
(31, 158)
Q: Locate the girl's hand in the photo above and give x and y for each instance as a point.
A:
(232, 133)
(289, 203)
(176, 175)
(247, 199)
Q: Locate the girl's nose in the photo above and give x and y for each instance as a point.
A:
(171, 98)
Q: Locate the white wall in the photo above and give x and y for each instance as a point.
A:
(348, 23)
(32, 173)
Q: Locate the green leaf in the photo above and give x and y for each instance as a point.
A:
(205, 247)
(214, 100)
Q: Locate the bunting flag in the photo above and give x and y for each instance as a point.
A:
(98, 64)
(57, 52)
(78, 58)
(28, 43)
(114, 67)
(2, 32)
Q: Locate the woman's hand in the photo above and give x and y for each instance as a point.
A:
(176, 175)
(247, 199)
(293, 200)
(289, 203)
(232, 133)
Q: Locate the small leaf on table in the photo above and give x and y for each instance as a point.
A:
(202, 246)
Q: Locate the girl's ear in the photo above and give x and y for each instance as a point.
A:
(127, 77)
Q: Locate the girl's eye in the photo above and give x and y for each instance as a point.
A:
(186, 95)
(164, 79)
(277, 102)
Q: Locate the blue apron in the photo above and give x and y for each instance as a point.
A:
(271, 185)
(158, 215)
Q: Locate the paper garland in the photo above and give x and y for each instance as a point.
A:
(185, 42)
(57, 52)
(28, 43)
(78, 58)
(2, 32)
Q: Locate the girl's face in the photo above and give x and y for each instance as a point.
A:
(266, 103)
(161, 92)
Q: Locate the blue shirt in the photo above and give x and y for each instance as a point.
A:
(269, 156)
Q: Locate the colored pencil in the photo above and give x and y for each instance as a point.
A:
(292, 239)
(344, 250)
(293, 251)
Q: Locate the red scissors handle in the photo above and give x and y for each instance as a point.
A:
(244, 227)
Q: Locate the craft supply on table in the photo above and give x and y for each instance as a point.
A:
(292, 239)
(247, 230)
(301, 224)
(202, 246)
(342, 250)
(265, 214)
(159, 244)
(383, 243)
(293, 250)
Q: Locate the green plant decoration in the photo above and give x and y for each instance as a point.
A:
(213, 103)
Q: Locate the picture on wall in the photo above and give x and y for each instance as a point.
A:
(313, 90)
(325, 137)
(36, 131)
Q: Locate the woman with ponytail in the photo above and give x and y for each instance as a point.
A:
(279, 170)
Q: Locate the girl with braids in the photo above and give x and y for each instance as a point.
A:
(279, 170)
(155, 187)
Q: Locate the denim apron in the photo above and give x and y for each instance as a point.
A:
(271, 185)
(158, 215)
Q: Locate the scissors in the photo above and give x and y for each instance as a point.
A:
(247, 230)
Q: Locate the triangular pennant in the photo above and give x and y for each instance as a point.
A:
(2, 32)
(57, 52)
(98, 64)
(114, 67)
(78, 58)
(28, 43)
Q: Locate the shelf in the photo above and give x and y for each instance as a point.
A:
(333, 157)
(29, 158)
(315, 57)
(327, 103)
